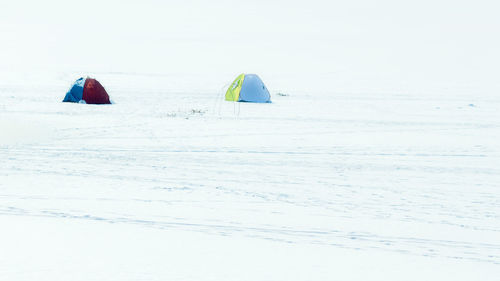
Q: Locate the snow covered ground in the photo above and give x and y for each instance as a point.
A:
(185, 186)
(374, 164)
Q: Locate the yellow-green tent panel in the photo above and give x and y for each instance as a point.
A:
(233, 92)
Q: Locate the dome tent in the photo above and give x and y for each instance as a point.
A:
(87, 90)
(248, 88)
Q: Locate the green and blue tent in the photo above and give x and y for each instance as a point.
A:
(248, 88)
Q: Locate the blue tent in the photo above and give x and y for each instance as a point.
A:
(248, 88)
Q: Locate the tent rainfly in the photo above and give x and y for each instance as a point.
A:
(87, 90)
(248, 88)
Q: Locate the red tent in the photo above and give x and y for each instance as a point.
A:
(88, 90)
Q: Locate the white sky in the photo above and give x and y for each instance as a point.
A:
(454, 42)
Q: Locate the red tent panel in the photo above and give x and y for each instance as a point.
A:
(94, 93)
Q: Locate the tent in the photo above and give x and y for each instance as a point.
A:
(87, 90)
(248, 88)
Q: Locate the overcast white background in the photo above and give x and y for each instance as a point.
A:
(398, 45)
(378, 160)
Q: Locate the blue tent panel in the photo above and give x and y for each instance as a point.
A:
(254, 90)
(76, 92)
